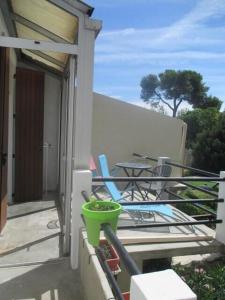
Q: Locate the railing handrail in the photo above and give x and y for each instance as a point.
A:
(127, 260)
(175, 164)
(208, 210)
(177, 201)
(114, 285)
(145, 157)
(167, 224)
(199, 171)
(193, 201)
(158, 178)
(199, 188)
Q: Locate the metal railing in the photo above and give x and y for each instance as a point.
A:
(110, 276)
(158, 178)
(127, 260)
(198, 188)
(175, 164)
(212, 213)
(213, 177)
(177, 201)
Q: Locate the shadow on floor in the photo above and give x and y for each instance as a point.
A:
(28, 245)
(51, 281)
(33, 233)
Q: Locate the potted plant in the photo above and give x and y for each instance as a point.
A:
(111, 255)
(99, 212)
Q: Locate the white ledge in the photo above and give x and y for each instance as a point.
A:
(163, 285)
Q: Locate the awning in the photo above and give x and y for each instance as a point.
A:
(43, 21)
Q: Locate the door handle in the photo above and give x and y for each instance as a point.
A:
(3, 159)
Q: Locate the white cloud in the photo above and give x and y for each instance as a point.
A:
(138, 58)
(188, 43)
(185, 39)
(203, 10)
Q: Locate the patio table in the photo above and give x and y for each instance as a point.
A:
(134, 169)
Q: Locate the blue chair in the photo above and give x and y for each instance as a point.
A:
(117, 196)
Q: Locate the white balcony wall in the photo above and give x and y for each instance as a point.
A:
(120, 128)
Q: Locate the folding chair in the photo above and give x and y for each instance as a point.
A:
(133, 210)
(156, 187)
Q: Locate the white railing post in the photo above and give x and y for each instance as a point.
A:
(81, 182)
(161, 184)
(220, 228)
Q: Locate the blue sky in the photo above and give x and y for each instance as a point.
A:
(148, 36)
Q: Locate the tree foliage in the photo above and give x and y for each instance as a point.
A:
(211, 102)
(174, 87)
(209, 149)
(199, 120)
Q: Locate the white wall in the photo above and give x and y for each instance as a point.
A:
(12, 71)
(119, 129)
(52, 100)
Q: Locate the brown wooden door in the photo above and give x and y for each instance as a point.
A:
(4, 118)
(29, 135)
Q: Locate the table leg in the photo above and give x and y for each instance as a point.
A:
(132, 191)
(138, 188)
(128, 175)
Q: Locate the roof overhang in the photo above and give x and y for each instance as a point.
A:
(81, 6)
(47, 21)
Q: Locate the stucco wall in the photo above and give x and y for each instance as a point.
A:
(119, 129)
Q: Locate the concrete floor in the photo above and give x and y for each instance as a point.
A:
(32, 233)
(31, 262)
(50, 281)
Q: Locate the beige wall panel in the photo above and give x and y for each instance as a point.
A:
(119, 129)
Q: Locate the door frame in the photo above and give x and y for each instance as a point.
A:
(4, 124)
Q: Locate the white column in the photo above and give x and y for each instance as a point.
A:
(82, 130)
(220, 228)
(161, 285)
(69, 153)
(84, 99)
(161, 184)
(63, 139)
(81, 182)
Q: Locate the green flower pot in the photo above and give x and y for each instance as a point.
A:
(96, 213)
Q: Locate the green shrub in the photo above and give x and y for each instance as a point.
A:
(189, 209)
(207, 280)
